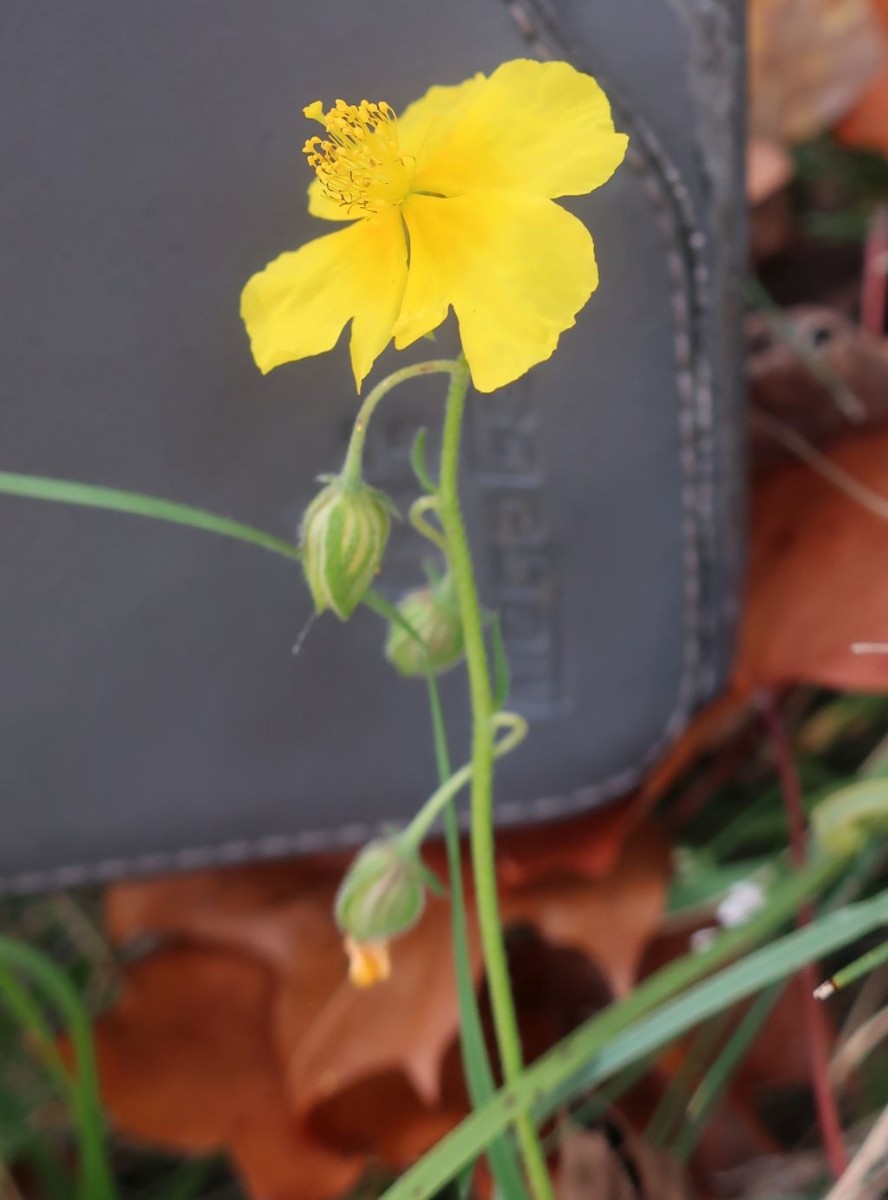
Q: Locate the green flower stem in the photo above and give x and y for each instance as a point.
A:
(501, 1154)
(418, 509)
(482, 841)
(413, 835)
(476, 1063)
(354, 456)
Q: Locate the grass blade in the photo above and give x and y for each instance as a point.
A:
(96, 1179)
(619, 1036)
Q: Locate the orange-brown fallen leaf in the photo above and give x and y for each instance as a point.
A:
(380, 1115)
(809, 61)
(588, 846)
(355, 1075)
(404, 1024)
(818, 576)
(769, 169)
(610, 920)
(187, 1062)
(867, 123)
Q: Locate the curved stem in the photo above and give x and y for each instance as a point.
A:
(351, 468)
(417, 519)
(482, 841)
(438, 801)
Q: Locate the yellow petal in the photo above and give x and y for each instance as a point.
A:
(516, 269)
(540, 127)
(300, 303)
(368, 962)
(426, 122)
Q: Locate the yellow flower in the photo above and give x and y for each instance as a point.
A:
(450, 205)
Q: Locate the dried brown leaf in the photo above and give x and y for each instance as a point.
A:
(867, 123)
(382, 1115)
(405, 1023)
(610, 920)
(818, 576)
(247, 1034)
(612, 1163)
(809, 61)
(587, 846)
(187, 1062)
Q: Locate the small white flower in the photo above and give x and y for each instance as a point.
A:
(741, 903)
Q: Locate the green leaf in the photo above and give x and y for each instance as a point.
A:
(82, 1090)
(27, 1013)
(60, 491)
(712, 1086)
(851, 817)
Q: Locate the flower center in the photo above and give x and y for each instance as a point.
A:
(359, 163)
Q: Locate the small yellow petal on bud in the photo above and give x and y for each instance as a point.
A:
(383, 893)
(433, 615)
(368, 962)
(343, 537)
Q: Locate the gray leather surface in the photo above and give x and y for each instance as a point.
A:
(152, 715)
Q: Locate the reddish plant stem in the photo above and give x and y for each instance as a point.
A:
(720, 771)
(874, 285)
(815, 1016)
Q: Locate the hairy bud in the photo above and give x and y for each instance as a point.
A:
(383, 893)
(432, 613)
(343, 536)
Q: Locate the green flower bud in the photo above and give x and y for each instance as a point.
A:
(343, 537)
(434, 615)
(383, 892)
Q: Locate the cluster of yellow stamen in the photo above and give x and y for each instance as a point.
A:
(359, 163)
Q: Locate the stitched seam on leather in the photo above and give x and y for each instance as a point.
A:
(688, 273)
(674, 216)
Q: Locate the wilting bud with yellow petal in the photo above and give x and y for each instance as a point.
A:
(343, 537)
(383, 893)
(433, 615)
